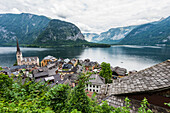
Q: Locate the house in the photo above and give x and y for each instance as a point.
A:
(51, 65)
(87, 60)
(96, 82)
(47, 60)
(50, 79)
(132, 72)
(40, 73)
(66, 60)
(17, 68)
(80, 62)
(80, 69)
(152, 83)
(120, 72)
(25, 60)
(74, 62)
(89, 65)
(43, 74)
(67, 79)
(6, 71)
(67, 67)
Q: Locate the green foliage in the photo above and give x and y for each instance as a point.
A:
(15, 64)
(168, 104)
(5, 82)
(126, 108)
(29, 96)
(144, 108)
(105, 108)
(26, 106)
(106, 72)
(75, 111)
(56, 97)
(78, 98)
(1, 68)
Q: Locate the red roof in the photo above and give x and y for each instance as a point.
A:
(89, 94)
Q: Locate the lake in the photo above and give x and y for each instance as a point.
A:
(129, 57)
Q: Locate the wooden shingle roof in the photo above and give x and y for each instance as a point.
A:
(154, 78)
(119, 101)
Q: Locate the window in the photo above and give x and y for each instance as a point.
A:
(90, 89)
(93, 85)
(96, 90)
(90, 85)
(97, 86)
(93, 90)
(18, 56)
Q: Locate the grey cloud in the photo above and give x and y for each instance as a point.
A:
(93, 15)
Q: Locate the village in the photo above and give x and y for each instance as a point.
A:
(60, 71)
(152, 82)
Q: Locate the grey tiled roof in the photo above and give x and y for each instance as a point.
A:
(40, 74)
(52, 72)
(119, 101)
(51, 65)
(96, 79)
(119, 71)
(29, 59)
(154, 78)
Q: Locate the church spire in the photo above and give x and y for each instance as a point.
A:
(18, 49)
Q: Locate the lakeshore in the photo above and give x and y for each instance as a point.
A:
(58, 71)
(129, 57)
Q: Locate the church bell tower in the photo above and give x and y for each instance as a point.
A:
(18, 55)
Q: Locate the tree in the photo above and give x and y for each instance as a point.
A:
(15, 64)
(78, 98)
(6, 82)
(30, 96)
(56, 97)
(1, 68)
(106, 72)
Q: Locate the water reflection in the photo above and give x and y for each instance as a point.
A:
(8, 54)
(129, 57)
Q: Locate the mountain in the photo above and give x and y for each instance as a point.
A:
(26, 27)
(112, 36)
(91, 37)
(154, 33)
(60, 32)
(40, 31)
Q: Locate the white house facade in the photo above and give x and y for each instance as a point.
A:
(95, 83)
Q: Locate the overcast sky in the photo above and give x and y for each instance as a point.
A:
(93, 15)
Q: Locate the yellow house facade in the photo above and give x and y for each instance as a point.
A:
(48, 59)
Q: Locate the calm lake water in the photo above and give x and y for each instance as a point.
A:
(129, 57)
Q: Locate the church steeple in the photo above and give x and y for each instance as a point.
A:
(19, 55)
(18, 49)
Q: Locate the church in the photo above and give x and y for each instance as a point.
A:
(25, 60)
